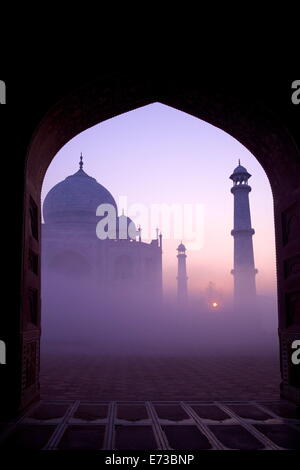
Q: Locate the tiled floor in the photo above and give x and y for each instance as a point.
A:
(188, 425)
(162, 378)
(192, 402)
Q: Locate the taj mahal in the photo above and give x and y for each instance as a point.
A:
(71, 249)
(124, 263)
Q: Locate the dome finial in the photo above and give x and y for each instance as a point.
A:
(81, 162)
(239, 162)
(181, 248)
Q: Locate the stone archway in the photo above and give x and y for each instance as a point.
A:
(248, 121)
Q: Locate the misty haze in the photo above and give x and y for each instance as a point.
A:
(152, 315)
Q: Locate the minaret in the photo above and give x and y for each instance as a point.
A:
(181, 277)
(160, 275)
(244, 270)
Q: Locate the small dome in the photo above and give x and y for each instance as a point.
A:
(181, 247)
(240, 174)
(126, 228)
(75, 199)
(240, 169)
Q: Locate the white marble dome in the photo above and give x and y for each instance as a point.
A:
(75, 200)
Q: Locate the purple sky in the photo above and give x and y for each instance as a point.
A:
(156, 154)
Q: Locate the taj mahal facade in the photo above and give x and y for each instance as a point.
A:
(72, 250)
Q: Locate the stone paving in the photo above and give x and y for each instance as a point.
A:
(157, 403)
(67, 426)
(160, 378)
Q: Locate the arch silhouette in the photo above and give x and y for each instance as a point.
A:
(247, 120)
